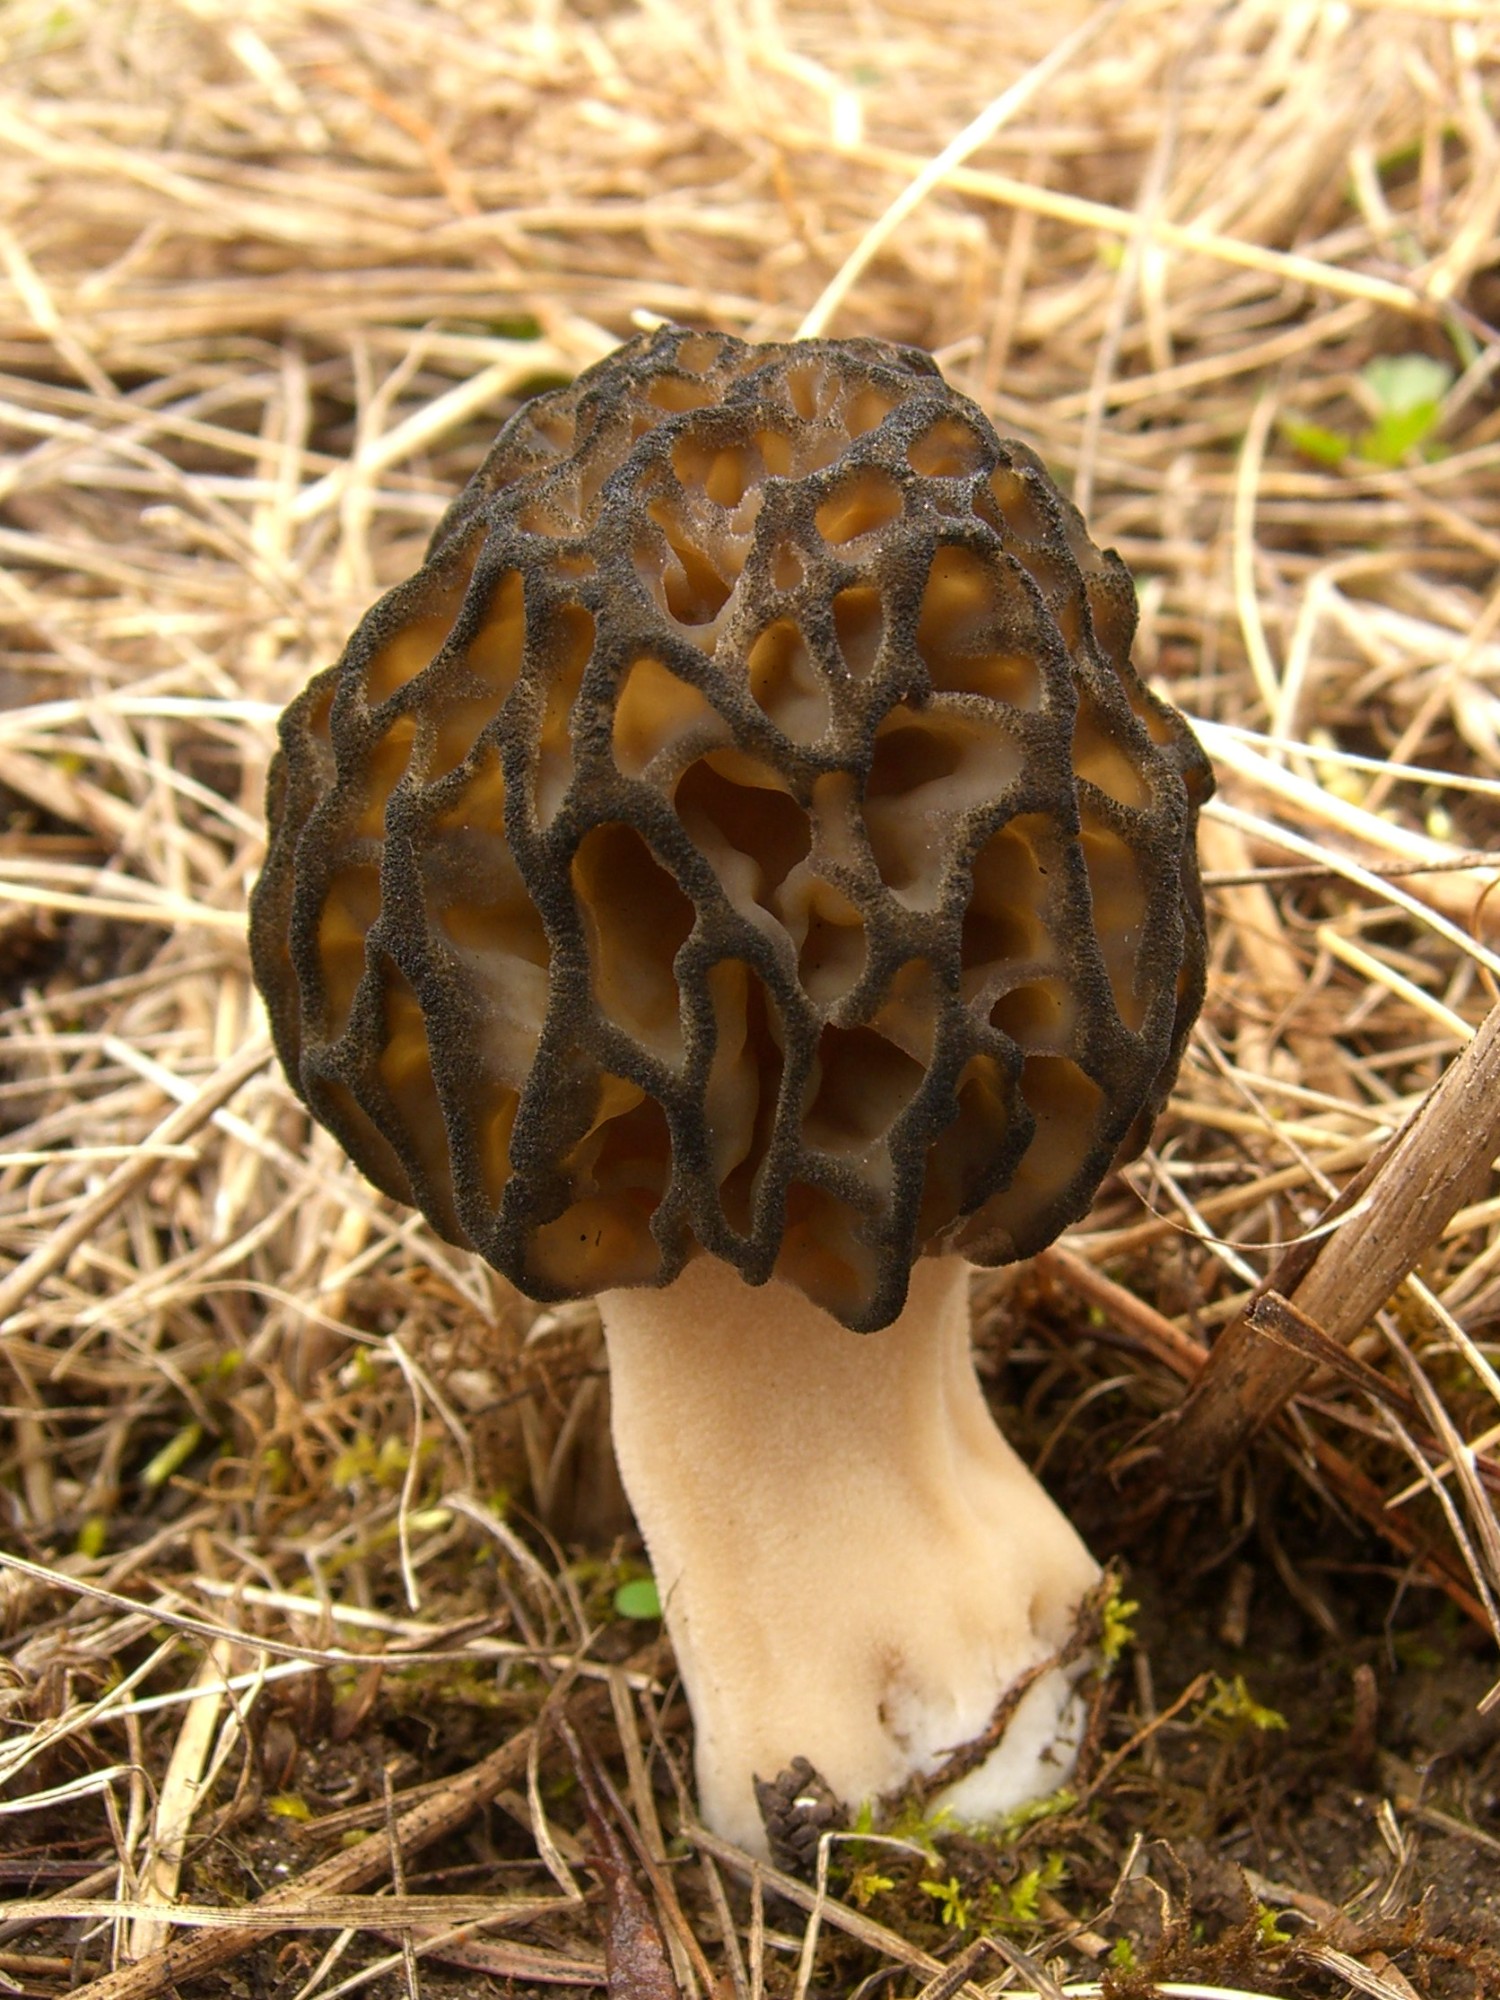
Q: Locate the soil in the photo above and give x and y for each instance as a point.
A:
(1315, 1782)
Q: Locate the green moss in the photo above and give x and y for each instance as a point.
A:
(1231, 1702)
(951, 1900)
(1116, 1623)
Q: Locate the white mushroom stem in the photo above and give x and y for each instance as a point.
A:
(855, 1565)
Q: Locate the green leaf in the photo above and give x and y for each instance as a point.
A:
(1397, 432)
(638, 1599)
(1407, 390)
(1406, 382)
(1315, 441)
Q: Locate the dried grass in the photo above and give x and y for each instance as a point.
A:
(272, 275)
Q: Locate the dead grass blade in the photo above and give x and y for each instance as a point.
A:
(1230, 267)
(308, 1897)
(1436, 1165)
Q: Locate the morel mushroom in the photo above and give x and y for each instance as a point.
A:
(742, 876)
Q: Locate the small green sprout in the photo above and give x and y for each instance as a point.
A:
(1122, 1955)
(1406, 391)
(93, 1536)
(173, 1455)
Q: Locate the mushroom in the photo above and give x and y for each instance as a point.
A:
(741, 876)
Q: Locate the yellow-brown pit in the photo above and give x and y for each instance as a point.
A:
(746, 833)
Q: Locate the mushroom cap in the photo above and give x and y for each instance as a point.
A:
(747, 833)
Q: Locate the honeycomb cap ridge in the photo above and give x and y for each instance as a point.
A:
(746, 832)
